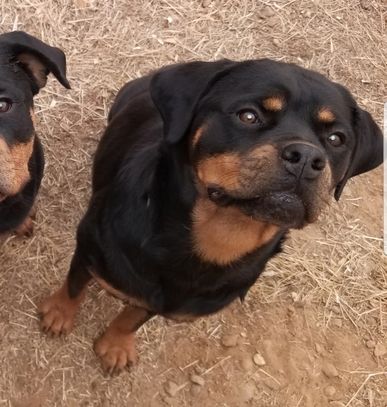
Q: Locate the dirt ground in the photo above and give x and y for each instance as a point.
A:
(312, 331)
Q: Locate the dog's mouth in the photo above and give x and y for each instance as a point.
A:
(283, 208)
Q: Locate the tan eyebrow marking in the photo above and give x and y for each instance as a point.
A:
(197, 136)
(325, 115)
(274, 103)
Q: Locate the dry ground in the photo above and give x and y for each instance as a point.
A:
(322, 303)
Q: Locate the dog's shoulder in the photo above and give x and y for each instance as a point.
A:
(133, 133)
(133, 90)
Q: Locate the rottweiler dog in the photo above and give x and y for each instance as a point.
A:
(202, 170)
(25, 63)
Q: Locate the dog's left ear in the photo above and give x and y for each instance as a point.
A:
(36, 58)
(177, 89)
(368, 152)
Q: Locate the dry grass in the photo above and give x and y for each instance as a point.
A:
(334, 270)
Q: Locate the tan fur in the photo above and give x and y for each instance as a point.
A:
(26, 229)
(235, 173)
(325, 115)
(33, 118)
(14, 160)
(259, 168)
(37, 69)
(324, 189)
(197, 136)
(58, 311)
(274, 103)
(223, 235)
(118, 294)
(181, 317)
(264, 152)
(222, 170)
(116, 347)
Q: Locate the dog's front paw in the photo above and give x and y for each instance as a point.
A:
(116, 351)
(26, 229)
(57, 314)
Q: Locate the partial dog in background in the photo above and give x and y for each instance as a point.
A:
(25, 63)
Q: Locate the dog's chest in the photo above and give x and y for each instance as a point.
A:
(224, 235)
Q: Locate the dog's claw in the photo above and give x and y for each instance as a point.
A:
(116, 352)
(26, 229)
(57, 317)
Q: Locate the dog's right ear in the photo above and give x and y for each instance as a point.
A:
(177, 89)
(35, 57)
(368, 152)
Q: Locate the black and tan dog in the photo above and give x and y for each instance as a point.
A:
(25, 63)
(202, 170)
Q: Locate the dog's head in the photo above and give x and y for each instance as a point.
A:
(25, 63)
(272, 139)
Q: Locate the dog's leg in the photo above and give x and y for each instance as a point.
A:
(58, 311)
(116, 347)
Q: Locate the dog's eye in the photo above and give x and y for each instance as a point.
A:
(336, 139)
(248, 117)
(5, 105)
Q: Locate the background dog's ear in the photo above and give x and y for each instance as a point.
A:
(368, 152)
(36, 58)
(177, 89)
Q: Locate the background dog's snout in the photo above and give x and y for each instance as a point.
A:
(305, 159)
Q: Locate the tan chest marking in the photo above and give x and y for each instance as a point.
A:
(14, 173)
(223, 235)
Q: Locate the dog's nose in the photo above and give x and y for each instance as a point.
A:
(303, 160)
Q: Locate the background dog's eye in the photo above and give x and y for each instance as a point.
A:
(5, 105)
(248, 116)
(336, 139)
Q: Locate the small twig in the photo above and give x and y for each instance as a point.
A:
(271, 377)
(189, 365)
(216, 364)
(363, 384)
